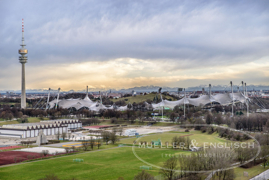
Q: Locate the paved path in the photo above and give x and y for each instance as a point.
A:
(210, 175)
(61, 144)
(263, 176)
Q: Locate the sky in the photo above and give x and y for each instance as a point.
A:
(122, 44)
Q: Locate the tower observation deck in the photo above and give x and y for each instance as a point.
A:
(23, 59)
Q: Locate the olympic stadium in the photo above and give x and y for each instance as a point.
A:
(224, 99)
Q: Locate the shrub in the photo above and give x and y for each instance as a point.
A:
(50, 177)
(45, 152)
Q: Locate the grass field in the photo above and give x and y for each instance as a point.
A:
(252, 172)
(199, 137)
(30, 119)
(112, 163)
(141, 98)
(107, 164)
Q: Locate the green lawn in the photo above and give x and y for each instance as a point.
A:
(254, 171)
(30, 119)
(108, 122)
(111, 163)
(8, 103)
(194, 135)
(107, 164)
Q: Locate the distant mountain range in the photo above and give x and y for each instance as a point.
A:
(148, 89)
(196, 88)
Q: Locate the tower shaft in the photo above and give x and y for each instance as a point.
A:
(23, 94)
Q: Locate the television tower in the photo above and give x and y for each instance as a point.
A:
(23, 59)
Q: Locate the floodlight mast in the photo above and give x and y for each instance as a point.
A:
(232, 98)
(247, 100)
(160, 92)
(57, 98)
(47, 106)
(243, 92)
(210, 96)
(184, 102)
(100, 96)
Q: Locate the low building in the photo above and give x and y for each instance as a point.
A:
(49, 127)
(130, 132)
(72, 123)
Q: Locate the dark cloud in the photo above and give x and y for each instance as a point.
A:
(187, 34)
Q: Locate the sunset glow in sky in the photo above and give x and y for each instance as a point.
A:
(122, 44)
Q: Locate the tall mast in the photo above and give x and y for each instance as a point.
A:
(23, 59)
(184, 102)
(57, 98)
(232, 99)
(87, 92)
(210, 96)
(47, 106)
(246, 99)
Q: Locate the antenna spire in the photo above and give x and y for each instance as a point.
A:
(22, 26)
(22, 34)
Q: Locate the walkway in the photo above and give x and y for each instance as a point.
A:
(263, 176)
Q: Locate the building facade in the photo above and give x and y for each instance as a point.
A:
(49, 127)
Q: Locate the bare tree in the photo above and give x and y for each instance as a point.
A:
(92, 142)
(68, 135)
(64, 135)
(106, 136)
(58, 135)
(85, 145)
(114, 138)
(67, 149)
(73, 148)
(144, 176)
(168, 168)
(99, 143)
(120, 130)
(114, 130)
(264, 154)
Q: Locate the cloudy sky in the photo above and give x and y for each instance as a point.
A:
(122, 44)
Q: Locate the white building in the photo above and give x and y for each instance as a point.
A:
(130, 132)
(49, 127)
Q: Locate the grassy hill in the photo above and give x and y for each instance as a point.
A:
(198, 136)
(141, 98)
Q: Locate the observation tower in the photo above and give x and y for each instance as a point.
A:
(23, 59)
